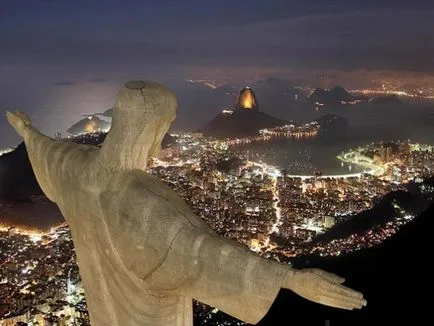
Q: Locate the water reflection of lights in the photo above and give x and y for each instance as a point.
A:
(35, 235)
(265, 137)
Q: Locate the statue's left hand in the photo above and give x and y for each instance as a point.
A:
(324, 288)
(19, 121)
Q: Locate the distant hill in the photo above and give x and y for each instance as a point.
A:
(198, 104)
(413, 202)
(168, 141)
(16, 175)
(90, 123)
(319, 95)
(336, 95)
(331, 121)
(332, 127)
(108, 113)
(392, 276)
(31, 212)
(240, 123)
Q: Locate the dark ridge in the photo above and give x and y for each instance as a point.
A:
(240, 123)
(108, 113)
(394, 277)
(17, 180)
(378, 216)
(89, 124)
(332, 127)
(337, 95)
(331, 121)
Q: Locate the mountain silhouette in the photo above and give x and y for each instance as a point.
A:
(330, 121)
(240, 123)
(332, 127)
(384, 211)
(17, 179)
(336, 95)
(90, 123)
(395, 278)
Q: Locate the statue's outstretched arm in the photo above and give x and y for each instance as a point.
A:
(45, 153)
(230, 277)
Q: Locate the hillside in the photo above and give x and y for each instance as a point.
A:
(16, 175)
(393, 277)
(336, 95)
(240, 123)
(384, 211)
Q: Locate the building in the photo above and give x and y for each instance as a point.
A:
(329, 221)
(386, 153)
(396, 175)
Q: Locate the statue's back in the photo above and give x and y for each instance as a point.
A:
(143, 255)
(127, 235)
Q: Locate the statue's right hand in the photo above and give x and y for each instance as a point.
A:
(19, 121)
(325, 288)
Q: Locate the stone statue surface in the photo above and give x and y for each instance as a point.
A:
(142, 253)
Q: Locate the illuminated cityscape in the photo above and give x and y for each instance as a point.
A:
(274, 213)
(39, 279)
(241, 195)
(249, 201)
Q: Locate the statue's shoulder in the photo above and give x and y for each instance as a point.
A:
(141, 220)
(143, 217)
(139, 195)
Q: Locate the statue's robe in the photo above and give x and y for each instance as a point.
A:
(142, 253)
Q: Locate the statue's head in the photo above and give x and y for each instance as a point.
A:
(141, 117)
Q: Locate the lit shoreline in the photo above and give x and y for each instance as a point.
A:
(30, 231)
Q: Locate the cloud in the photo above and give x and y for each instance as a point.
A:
(394, 40)
(65, 83)
(374, 39)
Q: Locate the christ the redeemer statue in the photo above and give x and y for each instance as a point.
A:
(143, 254)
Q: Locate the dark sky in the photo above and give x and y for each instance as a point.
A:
(61, 58)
